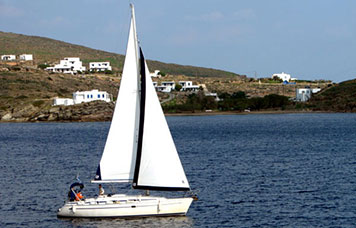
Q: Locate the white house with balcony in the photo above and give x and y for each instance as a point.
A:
(69, 65)
(171, 84)
(165, 87)
(84, 96)
(304, 94)
(26, 57)
(284, 77)
(8, 57)
(188, 86)
(99, 66)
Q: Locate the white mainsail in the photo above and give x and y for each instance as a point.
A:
(118, 159)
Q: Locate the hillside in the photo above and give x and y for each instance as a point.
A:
(47, 50)
(26, 95)
(338, 98)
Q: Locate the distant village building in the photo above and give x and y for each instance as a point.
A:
(171, 84)
(63, 101)
(304, 94)
(188, 86)
(26, 57)
(93, 95)
(99, 66)
(8, 57)
(83, 96)
(68, 66)
(215, 95)
(165, 87)
(155, 74)
(285, 77)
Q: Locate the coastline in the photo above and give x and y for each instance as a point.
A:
(105, 118)
(246, 113)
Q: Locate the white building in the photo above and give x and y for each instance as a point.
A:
(8, 57)
(155, 74)
(87, 96)
(26, 57)
(68, 66)
(83, 96)
(215, 95)
(170, 84)
(63, 101)
(303, 95)
(188, 86)
(99, 66)
(164, 89)
(284, 76)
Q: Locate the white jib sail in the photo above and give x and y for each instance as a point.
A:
(118, 160)
(160, 164)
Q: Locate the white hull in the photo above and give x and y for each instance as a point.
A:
(125, 206)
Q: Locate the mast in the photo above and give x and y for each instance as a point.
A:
(142, 119)
(133, 18)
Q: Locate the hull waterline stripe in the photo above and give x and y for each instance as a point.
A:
(126, 216)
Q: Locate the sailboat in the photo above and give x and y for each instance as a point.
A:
(139, 150)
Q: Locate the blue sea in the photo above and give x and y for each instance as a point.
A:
(263, 170)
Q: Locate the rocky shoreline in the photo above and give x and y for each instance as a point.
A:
(85, 112)
(98, 111)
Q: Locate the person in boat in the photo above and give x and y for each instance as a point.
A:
(71, 194)
(101, 190)
(79, 196)
(75, 194)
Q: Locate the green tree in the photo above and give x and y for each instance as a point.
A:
(178, 87)
(43, 66)
(162, 73)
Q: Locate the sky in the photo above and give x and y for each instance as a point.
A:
(309, 39)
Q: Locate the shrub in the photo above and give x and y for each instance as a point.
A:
(178, 87)
(38, 103)
(108, 72)
(43, 66)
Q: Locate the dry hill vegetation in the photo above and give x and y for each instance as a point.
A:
(338, 98)
(47, 50)
(27, 92)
